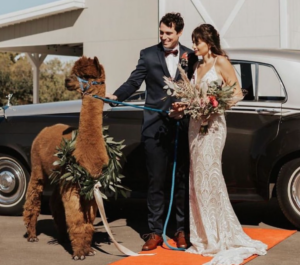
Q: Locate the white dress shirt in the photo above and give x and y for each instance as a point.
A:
(172, 61)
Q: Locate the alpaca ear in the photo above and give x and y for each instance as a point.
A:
(97, 64)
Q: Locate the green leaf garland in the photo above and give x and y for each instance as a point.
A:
(73, 173)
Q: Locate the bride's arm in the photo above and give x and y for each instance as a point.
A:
(226, 70)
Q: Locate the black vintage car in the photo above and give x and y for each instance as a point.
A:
(261, 156)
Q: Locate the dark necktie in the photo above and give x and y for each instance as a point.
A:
(167, 52)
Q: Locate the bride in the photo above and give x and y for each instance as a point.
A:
(214, 228)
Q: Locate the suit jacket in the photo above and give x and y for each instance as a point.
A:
(151, 68)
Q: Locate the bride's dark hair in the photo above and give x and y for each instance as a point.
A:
(210, 36)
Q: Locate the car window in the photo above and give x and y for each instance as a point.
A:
(260, 81)
(246, 76)
(269, 84)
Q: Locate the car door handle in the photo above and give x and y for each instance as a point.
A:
(268, 111)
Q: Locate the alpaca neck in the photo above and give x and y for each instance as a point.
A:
(90, 123)
(90, 151)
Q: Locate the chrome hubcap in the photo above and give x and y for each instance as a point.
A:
(7, 182)
(295, 189)
(12, 182)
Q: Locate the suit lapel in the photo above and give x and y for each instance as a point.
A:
(181, 51)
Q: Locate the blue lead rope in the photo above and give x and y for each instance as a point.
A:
(174, 164)
(127, 104)
(172, 191)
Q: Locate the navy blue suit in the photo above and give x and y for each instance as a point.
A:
(158, 133)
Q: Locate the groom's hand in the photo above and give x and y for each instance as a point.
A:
(111, 96)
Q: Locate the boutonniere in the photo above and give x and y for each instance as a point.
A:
(184, 60)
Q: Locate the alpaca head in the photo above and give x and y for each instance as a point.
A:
(90, 70)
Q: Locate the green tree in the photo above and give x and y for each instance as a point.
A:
(52, 81)
(21, 81)
(16, 79)
(6, 61)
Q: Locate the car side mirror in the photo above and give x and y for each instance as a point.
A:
(9, 96)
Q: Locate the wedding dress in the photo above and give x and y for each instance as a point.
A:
(214, 228)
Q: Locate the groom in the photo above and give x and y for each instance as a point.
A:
(158, 132)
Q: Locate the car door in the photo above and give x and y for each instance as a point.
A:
(125, 123)
(252, 125)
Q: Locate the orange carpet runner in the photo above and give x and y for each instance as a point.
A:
(165, 256)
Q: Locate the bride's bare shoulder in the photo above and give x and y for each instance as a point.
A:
(222, 61)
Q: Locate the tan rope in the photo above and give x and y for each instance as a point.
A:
(100, 204)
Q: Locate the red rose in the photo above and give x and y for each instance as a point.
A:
(213, 101)
(184, 56)
(215, 104)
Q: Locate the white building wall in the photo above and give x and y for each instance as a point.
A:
(294, 23)
(116, 30)
(241, 23)
(256, 25)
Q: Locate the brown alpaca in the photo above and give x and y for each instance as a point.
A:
(72, 213)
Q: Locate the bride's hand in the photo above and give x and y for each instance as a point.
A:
(179, 106)
(176, 114)
(177, 111)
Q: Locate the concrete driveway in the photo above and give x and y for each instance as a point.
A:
(128, 222)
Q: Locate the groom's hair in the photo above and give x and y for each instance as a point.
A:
(173, 18)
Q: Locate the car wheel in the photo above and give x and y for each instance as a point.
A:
(13, 184)
(288, 191)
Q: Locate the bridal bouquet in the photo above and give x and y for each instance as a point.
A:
(201, 100)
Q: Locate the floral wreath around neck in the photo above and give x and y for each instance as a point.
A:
(75, 174)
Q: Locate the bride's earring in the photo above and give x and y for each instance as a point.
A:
(209, 52)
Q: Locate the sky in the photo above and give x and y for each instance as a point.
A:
(8, 6)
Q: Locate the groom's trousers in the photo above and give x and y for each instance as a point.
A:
(159, 153)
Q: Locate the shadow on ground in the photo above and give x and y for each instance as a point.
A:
(248, 213)
(134, 211)
(47, 227)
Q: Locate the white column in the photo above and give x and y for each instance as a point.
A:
(284, 24)
(161, 12)
(36, 60)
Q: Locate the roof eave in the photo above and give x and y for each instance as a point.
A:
(41, 11)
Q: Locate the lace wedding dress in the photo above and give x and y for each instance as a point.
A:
(214, 228)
